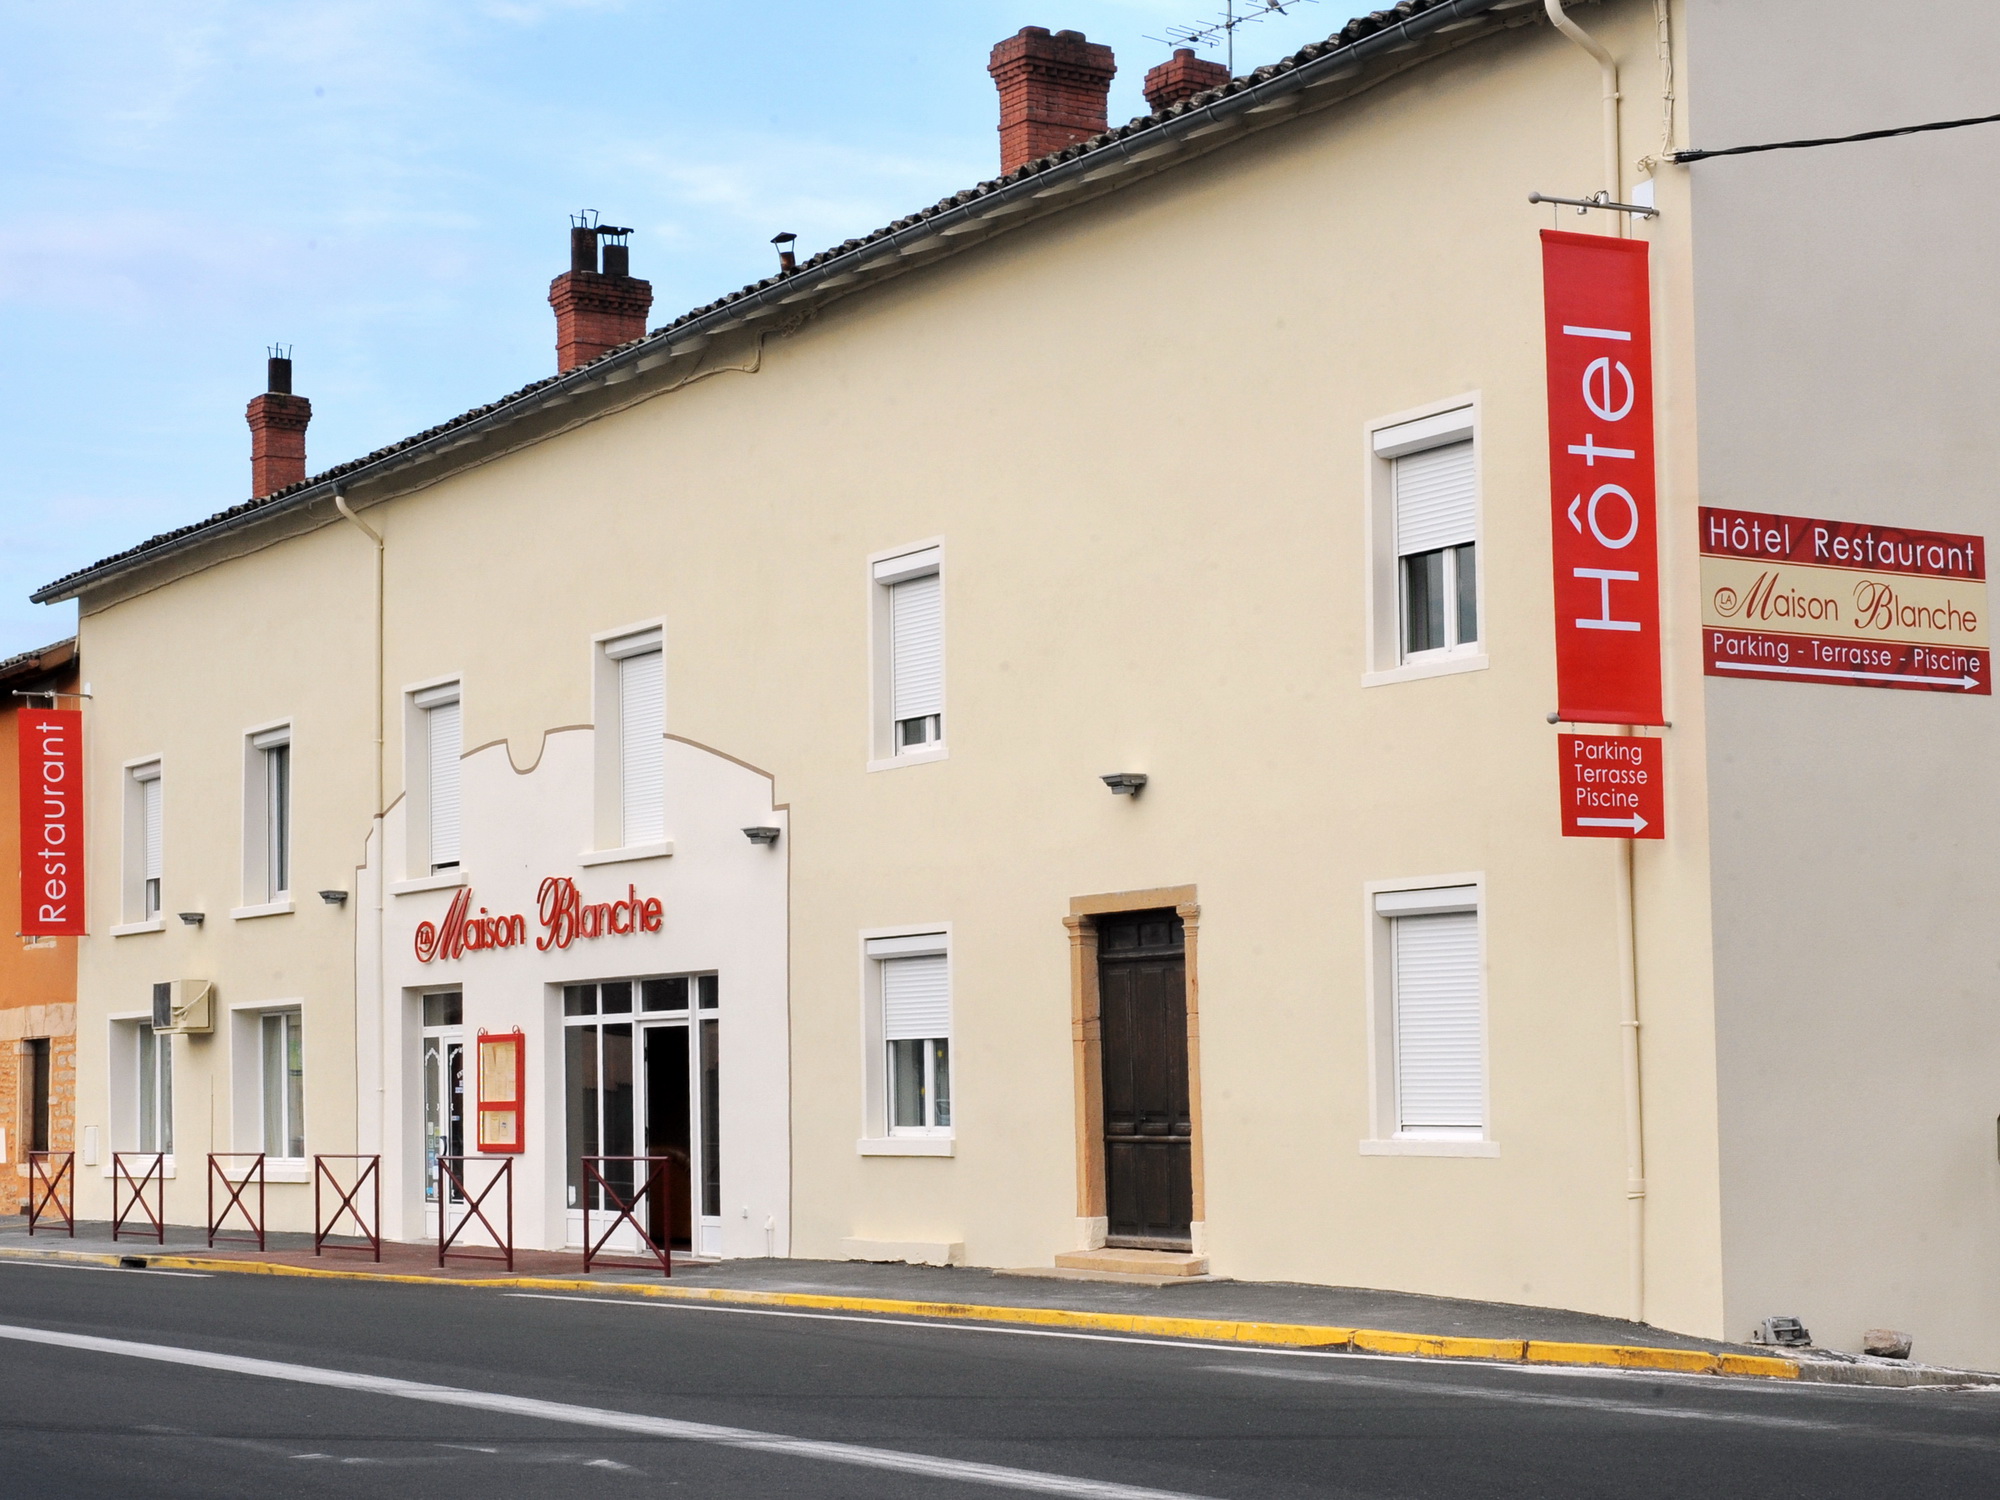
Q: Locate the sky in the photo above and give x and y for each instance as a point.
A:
(384, 186)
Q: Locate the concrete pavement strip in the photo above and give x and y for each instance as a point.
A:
(1325, 1338)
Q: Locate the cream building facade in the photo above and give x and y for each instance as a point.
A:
(822, 615)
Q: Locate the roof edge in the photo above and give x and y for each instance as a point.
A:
(1047, 176)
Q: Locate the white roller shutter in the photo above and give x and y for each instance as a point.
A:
(1440, 1046)
(642, 723)
(149, 793)
(916, 997)
(916, 647)
(446, 740)
(1435, 499)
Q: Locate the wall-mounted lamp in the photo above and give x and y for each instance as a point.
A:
(761, 835)
(334, 898)
(193, 918)
(1125, 783)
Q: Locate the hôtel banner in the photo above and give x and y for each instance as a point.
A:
(1607, 586)
(51, 755)
(1793, 599)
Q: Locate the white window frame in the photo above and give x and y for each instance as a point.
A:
(264, 895)
(246, 1058)
(1415, 896)
(141, 913)
(1384, 440)
(608, 837)
(419, 701)
(878, 1137)
(122, 1072)
(885, 570)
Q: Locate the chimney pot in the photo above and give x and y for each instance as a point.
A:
(1053, 92)
(277, 432)
(1182, 77)
(596, 311)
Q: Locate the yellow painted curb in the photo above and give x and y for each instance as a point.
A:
(1208, 1330)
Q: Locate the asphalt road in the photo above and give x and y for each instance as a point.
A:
(133, 1383)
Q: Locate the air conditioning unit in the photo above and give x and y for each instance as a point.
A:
(184, 1007)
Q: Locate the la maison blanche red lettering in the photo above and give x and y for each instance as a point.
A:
(51, 754)
(563, 913)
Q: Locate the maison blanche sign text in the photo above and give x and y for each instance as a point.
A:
(561, 910)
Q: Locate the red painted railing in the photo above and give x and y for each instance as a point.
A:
(624, 1199)
(346, 1201)
(129, 1192)
(452, 1174)
(52, 1196)
(234, 1200)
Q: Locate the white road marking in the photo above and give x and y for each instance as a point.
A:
(1617, 1408)
(925, 1466)
(66, 1265)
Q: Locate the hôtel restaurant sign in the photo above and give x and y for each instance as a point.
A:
(1792, 599)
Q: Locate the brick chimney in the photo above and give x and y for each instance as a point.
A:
(1182, 77)
(597, 310)
(277, 432)
(1052, 92)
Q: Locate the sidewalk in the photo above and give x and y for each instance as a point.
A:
(1272, 1313)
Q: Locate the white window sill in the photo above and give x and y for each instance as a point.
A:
(444, 880)
(138, 1173)
(128, 929)
(287, 1171)
(906, 1145)
(662, 850)
(1430, 1145)
(268, 909)
(912, 758)
(1444, 664)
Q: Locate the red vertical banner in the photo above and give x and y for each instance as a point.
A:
(50, 746)
(1607, 585)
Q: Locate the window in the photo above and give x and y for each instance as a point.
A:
(155, 1090)
(1437, 1029)
(1435, 523)
(909, 652)
(635, 766)
(283, 1085)
(267, 822)
(913, 992)
(436, 741)
(142, 842)
(35, 1071)
(1426, 610)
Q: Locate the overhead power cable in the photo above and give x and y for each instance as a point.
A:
(1835, 140)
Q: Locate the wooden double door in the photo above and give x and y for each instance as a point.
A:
(1148, 1119)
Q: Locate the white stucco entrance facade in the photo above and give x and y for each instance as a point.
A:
(648, 986)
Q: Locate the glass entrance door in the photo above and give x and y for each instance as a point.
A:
(640, 1079)
(443, 1066)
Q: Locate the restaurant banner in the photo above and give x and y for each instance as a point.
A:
(1607, 589)
(1844, 603)
(50, 747)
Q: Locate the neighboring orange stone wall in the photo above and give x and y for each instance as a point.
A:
(37, 975)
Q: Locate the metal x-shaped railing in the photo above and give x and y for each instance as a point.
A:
(46, 1192)
(369, 1228)
(453, 1178)
(129, 1192)
(233, 1200)
(626, 1208)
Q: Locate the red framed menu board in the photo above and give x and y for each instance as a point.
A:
(503, 1078)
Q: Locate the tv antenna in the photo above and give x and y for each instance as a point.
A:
(1223, 28)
